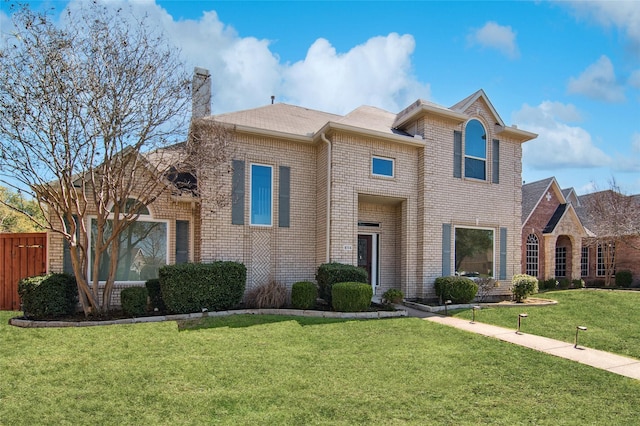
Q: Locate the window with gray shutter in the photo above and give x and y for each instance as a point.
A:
(446, 249)
(457, 154)
(503, 254)
(496, 161)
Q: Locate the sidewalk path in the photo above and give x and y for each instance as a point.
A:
(624, 366)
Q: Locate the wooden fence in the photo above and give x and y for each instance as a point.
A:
(21, 256)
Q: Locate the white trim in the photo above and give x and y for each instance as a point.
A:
(393, 166)
(375, 271)
(270, 224)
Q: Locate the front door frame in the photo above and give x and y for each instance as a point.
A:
(373, 257)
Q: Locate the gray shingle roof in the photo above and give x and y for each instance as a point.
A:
(531, 194)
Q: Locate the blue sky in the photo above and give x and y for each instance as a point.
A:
(569, 71)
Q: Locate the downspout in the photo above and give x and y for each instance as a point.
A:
(328, 219)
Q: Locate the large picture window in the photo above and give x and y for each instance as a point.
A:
(261, 195)
(606, 259)
(143, 250)
(475, 150)
(474, 252)
(561, 262)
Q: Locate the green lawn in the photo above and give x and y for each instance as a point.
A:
(285, 370)
(612, 319)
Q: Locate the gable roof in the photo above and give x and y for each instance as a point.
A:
(532, 193)
(555, 218)
(464, 105)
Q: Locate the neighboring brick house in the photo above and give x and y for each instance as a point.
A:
(426, 192)
(556, 239)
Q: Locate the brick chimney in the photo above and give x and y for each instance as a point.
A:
(201, 93)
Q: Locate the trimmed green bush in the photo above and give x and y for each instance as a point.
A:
(155, 294)
(459, 290)
(549, 284)
(577, 283)
(522, 286)
(332, 273)
(351, 296)
(192, 287)
(393, 295)
(304, 295)
(48, 296)
(624, 278)
(134, 300)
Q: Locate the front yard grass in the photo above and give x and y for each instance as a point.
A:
(612, 318)
(293, 370)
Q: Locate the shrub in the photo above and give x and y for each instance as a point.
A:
(48, 296)
(332, 273)
(456, 289)
(523, 285)
(304, 295)
(134, 300)
(393, 295)
(351, 296)
(549, 284)
(577, 283)
(597, 283)
(485, 285)
(191, 287)
(155, 295)
(564, 284)
(624, 278)
(272, 295)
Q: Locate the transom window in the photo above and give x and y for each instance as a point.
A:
(475, 150)
(261, 195)
(532, 256)
(474, 252)
(381, 166)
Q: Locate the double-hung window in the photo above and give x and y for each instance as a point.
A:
(261, 195)
(475, 150)
(474, 252)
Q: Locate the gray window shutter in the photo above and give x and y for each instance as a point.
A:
(496, 160)
(284, 197)
(503, 254)
(67, 267)
(182, 241)
(237, 193)
(446, 249)
(457, 154)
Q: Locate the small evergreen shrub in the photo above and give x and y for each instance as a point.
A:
(577, 283)
(624, 278)
(459, 290)
(304, 295)
(351, 296)
(597, 283)
(48, 296)
(522, 286)
(155, 295)
(393, 295)
(331, 273)
(134, 301)
(564, 284)
(549, 284)
(192, 287)
(267, 296)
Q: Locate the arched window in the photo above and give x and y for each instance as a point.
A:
(475, 150)
(532, 256)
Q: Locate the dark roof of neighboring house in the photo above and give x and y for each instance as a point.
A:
(557, 215)
(531, 194)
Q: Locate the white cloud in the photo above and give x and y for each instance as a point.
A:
(634, 79)
(245, 72)
(598, 82)
(559, 145)
(624, 15)
(495, 36)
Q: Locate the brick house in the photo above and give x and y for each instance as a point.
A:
(410, 196)
(556, 239)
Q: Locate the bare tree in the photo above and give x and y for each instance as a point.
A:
(87, 108)
(614, 220)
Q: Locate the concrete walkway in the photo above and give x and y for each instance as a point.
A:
(624, 366)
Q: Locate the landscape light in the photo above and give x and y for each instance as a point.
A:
(446, 303)
(520, 316)
(579, 329)
(473, 313)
